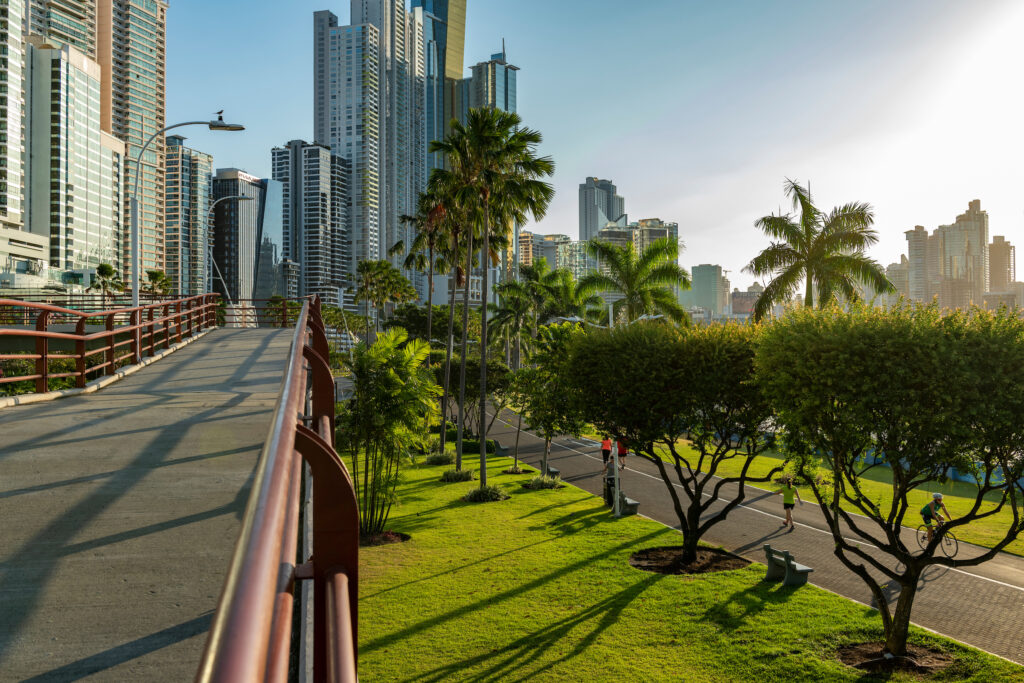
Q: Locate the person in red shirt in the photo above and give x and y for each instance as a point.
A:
(606, 452)
(623, 452)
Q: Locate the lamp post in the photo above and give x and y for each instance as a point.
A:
(218, 124)
(209, 248)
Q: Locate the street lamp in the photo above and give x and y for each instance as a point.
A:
(209, 248)
(218, 124)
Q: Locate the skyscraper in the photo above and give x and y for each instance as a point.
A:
(1003, 264)
(600, 204)
(130, 37)
(73, 188)
(314, 216)
(492, 84)
(710, 289)
(241, 231)
(965, 254)
(350, 107)
(917, 263)
(189, 194)
(12, 105)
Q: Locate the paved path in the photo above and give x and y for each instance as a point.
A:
(120, 510)
(982, 606)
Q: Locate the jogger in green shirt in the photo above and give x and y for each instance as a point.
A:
(788, 492)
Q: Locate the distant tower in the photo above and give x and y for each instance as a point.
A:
(600, 204)
(1003, 264)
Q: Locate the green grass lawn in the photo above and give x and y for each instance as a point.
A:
(877, 485)
(539, 587)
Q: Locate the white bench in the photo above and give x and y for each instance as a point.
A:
(782, 567)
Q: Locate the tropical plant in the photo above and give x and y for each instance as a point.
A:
(569, 298)
(913, 391)
(825, 251)
(157, 283)
(646, 282)
(671, 384)
(106, 281)
(393, 397)
(511, 315)
(380, 283)
(492, 159)
(536, 281)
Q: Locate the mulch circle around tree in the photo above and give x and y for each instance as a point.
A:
(870, 657)
(668, 560)
(384, 538)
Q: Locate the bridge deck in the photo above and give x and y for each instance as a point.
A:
(120, 510)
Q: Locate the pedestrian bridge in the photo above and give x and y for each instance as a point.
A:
(122, 508)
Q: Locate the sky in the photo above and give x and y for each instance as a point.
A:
(698, 111)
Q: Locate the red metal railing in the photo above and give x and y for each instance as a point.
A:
(125, 334)
(250, 639)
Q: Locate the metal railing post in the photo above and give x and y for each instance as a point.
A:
(111, 350)
(43, 351)
(80, 352)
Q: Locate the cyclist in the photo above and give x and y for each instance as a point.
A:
(931, 510)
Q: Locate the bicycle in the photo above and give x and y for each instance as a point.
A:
(948, 543)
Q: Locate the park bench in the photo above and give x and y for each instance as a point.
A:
(553, 471)
(499, 450)
(781, 566)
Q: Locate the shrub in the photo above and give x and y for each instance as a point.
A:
(473, 446)
(451, 476)
(440, 459)
(544, 482)
(487, 494)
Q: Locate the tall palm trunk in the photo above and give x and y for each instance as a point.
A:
(485, 259)
(465, 344)
(367, 306)
(449, 341)
(809, 297)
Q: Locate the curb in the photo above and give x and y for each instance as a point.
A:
(97, 384)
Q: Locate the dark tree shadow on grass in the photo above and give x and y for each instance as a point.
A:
(757, 543)
(735, 610)
(522, 654)
(511, 593)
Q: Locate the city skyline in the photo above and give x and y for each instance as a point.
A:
(701, 150)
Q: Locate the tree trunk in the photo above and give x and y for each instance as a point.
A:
(485, 260)
(809, 296)
(691, 537)
(547, 450)
(367, 306)
(519, 349)
(899, 628)
(465, 344)
(449, 342)
(519, 428)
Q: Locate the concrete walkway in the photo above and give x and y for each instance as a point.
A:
(121, 509)
(982, 606)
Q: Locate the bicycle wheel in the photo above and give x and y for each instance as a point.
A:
(922, 536)
(949, 545)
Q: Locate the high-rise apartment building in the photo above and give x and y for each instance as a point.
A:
(526, 244)
(649, 230)
(350, 120)
(74, 184)
(964, 249)
(188, 195)
(315, 217)
(65, 22)
(131, 49)
(600, 204)
(1002, 264)
(246, 234)
(492, 84)
(573, 256)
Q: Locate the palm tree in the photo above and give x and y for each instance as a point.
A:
(569, 298)
(494, 159)
(537, 279)
(430, 231)
(157, 283)
(826, 251)
(645, 281)
(512, 314)
(106, 281)
(380, 283)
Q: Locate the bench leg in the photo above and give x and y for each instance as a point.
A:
(776, 571)
(795, 578)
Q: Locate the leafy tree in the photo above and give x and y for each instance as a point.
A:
(536, 281)
(825, 251)
(511, 315)
(497, 385)
(654, 385)
(384, 420)
(646, 282)
(380, 283)
(494, 159)
(912, 390)
(545, 400)
(106, 281)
